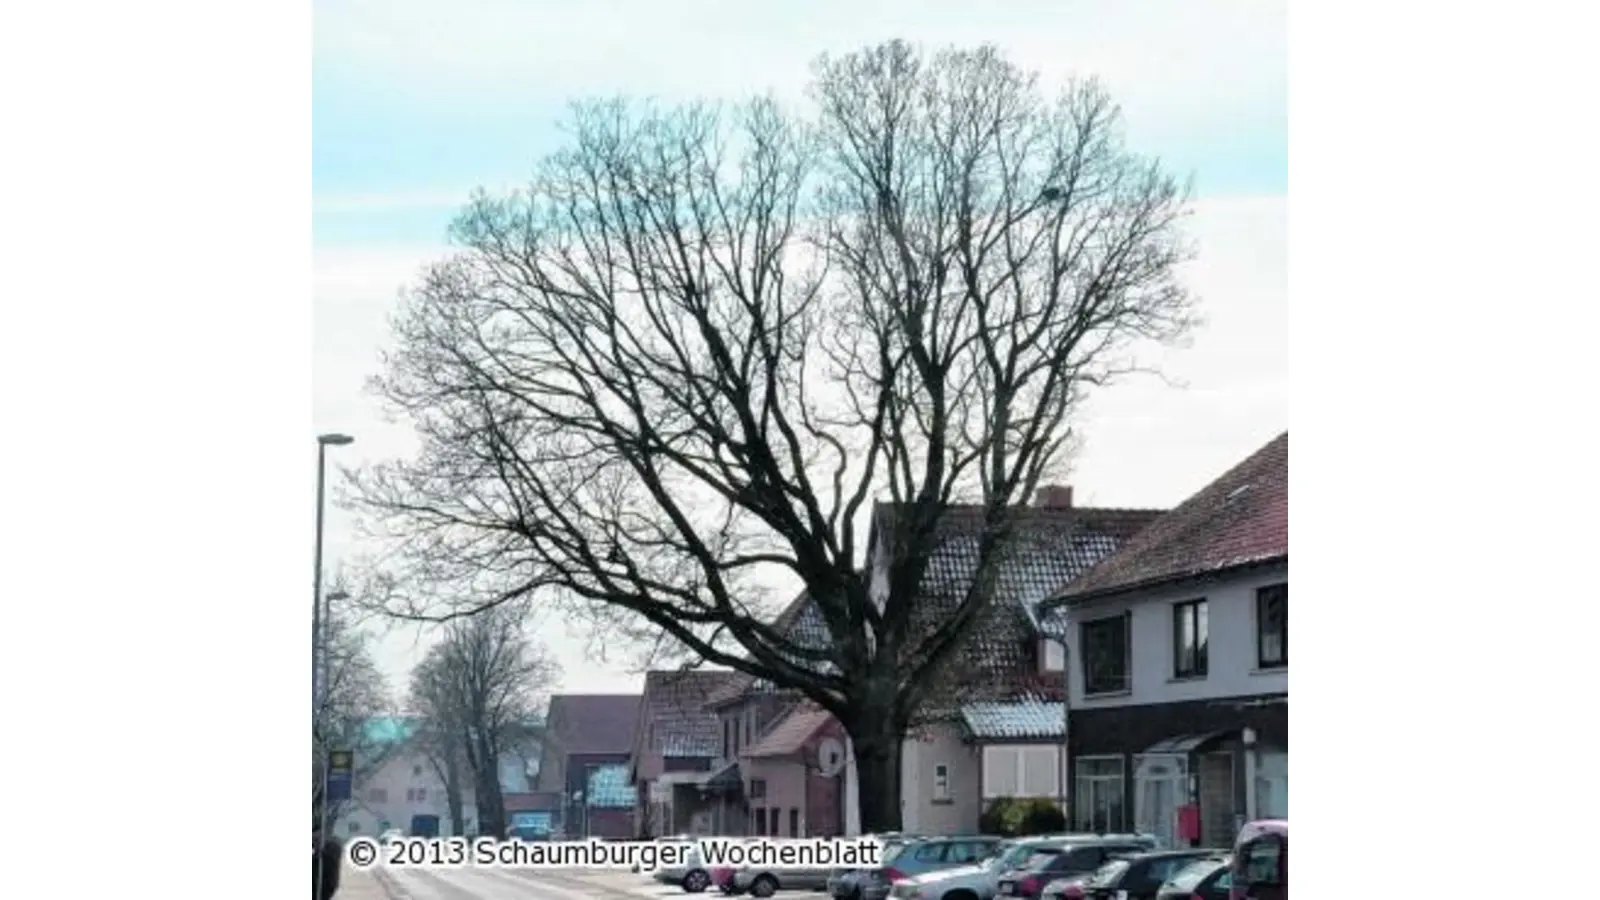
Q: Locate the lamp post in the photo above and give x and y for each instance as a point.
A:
(318, 622)
(324, 441)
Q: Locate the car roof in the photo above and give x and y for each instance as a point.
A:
(1197, 854)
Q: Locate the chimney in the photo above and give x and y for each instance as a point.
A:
(1053, 496)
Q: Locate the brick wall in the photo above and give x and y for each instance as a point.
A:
(611, 823)
(824, 796)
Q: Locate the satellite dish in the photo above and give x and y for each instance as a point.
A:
(830, 757)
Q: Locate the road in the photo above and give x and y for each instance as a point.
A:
(470, 883)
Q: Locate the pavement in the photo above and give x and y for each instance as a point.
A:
(470, 883)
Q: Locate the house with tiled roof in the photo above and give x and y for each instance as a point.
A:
(398, 784)
(993, 723)
(1179, 643)
(677, 742)
(586, 733)
(780, 770)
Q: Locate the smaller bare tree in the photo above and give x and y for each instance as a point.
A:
(354, 693)
(476, 691)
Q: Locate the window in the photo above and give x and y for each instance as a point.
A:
(772, 818)
(1002, 771)
(1105, 655)
(967, 852)
(1041, 772)
(929, 852)
(758, 821)
(727, 741)
(1272, 626)
(1098, 794)
(1272, 786)
(416, 771)
(941, 782)
(794, 822)
(1053, 656)
(1261, 861)
(733, 726)
(758, 789)
(1189, 635)
(1082, 859)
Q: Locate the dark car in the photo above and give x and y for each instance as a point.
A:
(1140, 876)
(1203, 879)
(1053, 863)
(1069, 888)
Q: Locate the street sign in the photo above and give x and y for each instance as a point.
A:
(340, 764)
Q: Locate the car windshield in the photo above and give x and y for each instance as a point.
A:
(892, 850)
(1011, 856)
(1190, 876)
(1109, 873)
(1041, 859)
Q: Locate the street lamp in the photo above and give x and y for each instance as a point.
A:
(324, 441)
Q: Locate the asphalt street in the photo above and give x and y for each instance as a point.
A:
(469, 883)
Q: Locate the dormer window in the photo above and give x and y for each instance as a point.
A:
(1052, 656)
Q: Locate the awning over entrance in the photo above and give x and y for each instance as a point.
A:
(716, 781)
(1186, 743)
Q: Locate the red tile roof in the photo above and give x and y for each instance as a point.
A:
(1240, 519)
(996, 661)
(789, 734)
(675, 720)
(593, 723)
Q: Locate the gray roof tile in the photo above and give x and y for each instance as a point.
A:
(1028, 719)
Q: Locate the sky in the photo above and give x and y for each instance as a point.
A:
(417, 102)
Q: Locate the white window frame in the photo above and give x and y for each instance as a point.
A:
(993, 753)
(1046, 756)
(1127, 655)
(941, 781)
(1024, 758)
(1079, 802)
(1053, 659)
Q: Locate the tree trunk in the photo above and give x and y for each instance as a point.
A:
(491, 805)
(452, 795)
(486, 781)
(876, 743)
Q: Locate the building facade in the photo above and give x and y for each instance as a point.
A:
(1179, 642)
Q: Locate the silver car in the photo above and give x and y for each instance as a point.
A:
(980, 882)
(692, 876)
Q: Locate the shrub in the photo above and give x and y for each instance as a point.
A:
(1041, 816)
(1002, 818)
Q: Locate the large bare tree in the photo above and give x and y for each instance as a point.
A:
(354, 692)
(476, 692)
(704, 341)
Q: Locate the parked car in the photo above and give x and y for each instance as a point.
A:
(1068, 888)
(1261, 861)
(692, 876)
(1203, 879)
(1140, 876)
(1050, 864)
(764, 881)
(848, 884)
(909, 858)
(982, 881)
